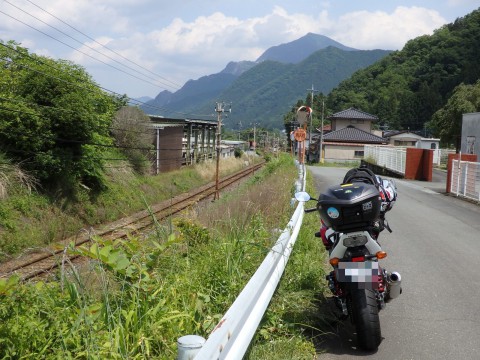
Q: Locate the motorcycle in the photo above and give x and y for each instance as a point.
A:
(353, 215)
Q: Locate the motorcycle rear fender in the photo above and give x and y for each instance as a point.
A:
(339, 250)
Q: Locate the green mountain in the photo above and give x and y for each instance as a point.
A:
(298, 50)
(190, 96)
(260, 91)
(267, 91)
(407, 87)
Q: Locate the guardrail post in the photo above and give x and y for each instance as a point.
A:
(189, 346)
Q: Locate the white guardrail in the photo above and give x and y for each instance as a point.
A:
(465, 179)
(232, 335)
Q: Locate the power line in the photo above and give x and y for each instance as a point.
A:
(38, 60)
(116, 53)
(70, 111)
(80, 51)
(66, 81)
(91, 48)
(92, 143)
(113, 51)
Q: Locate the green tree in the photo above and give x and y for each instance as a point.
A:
(133, 136)
(407, 87)
(447, 122)
(53, 119)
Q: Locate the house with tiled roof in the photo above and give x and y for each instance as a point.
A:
(406, 138)
(351, 131)
(402, 138)
(352, 117)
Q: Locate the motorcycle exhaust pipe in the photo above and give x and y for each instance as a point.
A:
(394, 285)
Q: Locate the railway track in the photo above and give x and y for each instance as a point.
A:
(42, 263)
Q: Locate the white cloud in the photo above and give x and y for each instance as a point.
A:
(206, 44)
(182, 49)
(219, 38)
(369, 30)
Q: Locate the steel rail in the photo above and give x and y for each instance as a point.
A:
(34, 265)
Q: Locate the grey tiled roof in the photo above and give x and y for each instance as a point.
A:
(352, 134)
(389, 134)
(353, 113)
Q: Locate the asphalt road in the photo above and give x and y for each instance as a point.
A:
(435, 245)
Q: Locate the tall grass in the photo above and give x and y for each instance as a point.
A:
(136, 297)
(293, 323)
(31, 220)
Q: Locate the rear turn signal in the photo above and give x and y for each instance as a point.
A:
(334, 261)
(381, 254)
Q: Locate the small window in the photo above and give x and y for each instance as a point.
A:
(433, 146)
(357, 121)
(359, 154)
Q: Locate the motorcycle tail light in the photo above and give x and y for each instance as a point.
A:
(358, 259)
(353, 241)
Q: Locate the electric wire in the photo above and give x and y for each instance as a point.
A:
(38, 60)
(80, 51)
(131, 100)
(114, 67)
(66, 81)
(104, 46)
(70, 111)
(91, 48)
(93, 143)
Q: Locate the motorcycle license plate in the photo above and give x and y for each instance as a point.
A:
(364, 274)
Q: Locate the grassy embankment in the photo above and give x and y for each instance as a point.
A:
(29, 219)
(139, 296)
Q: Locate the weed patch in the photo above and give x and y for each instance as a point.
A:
(136, 297)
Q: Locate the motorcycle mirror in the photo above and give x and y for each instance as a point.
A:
(303, 196)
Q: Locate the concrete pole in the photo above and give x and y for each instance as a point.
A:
(321, 133)
(158, 151)
(219, 110)
(254, 138)
(311, 119)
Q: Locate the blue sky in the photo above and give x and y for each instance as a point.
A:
(159, 44)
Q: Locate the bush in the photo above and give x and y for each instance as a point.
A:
(62, 113)
(238, 152)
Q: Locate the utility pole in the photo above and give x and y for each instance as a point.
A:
(321, 131)
(254, 136)
(312, 90)
(220, 109)
(254, 139)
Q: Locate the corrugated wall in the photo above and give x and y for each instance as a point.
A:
(171, 148)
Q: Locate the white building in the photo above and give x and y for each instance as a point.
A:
(408, 139)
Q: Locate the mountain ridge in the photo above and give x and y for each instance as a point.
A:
(197, 97)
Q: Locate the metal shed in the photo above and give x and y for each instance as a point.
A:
(181, 142)
(471, 133)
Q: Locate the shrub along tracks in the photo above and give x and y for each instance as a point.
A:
(41, 263)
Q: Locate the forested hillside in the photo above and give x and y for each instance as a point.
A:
(265, 92)
(207, 88)
(298, 50)
(406, 88)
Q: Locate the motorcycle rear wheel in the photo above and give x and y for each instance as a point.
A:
(366, 319)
